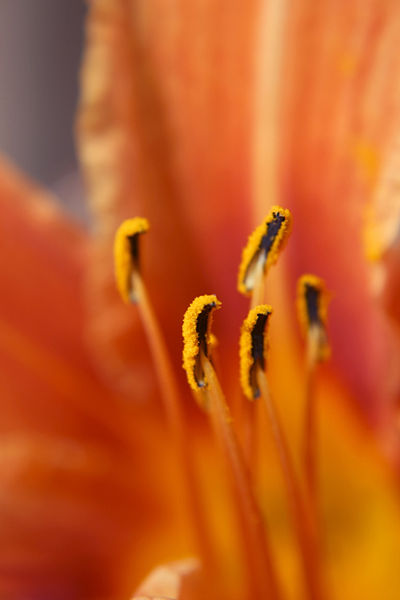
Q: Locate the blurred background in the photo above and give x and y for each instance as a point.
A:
(40, 50)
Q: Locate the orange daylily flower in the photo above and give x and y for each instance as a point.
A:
(200, 116)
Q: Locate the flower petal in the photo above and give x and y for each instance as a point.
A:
(81, 468)
(163, 130)
(42, 331)
(339, 70)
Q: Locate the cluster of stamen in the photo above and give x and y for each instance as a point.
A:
(260, 253)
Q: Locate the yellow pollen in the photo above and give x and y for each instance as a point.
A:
(312, 306)
(253, 348)
(263, 247)
(126, 254)
(197, 338)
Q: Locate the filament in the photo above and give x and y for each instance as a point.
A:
(310, 440)
(303, 522)
(162, 363)
(312, 305)
(132, 289)
(170, 395)
(261, 569)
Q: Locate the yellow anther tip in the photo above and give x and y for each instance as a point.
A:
(247, 359)
(125, 261)
(193, 338)
(314, 317)
(276, 241)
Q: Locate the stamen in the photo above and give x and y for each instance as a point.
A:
(126, 255)
(312, 304)
(197, 338)
(127, 268)
(263, 248)
(253, 348)
(196, 333)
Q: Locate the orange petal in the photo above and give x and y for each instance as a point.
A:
(341, 103)
(163, 130)
(80, 468)
(42, 328)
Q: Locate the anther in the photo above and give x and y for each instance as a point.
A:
(197, 338)
(312, 304)
(253, 349)
(126, 255)
(263, 248)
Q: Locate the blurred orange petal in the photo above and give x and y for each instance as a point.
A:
(341, 107)
(77, 489)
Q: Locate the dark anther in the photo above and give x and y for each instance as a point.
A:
(201, 329)
(312, 303)
(201, 326)
(134, 247)
(273, 228)
(257, 351)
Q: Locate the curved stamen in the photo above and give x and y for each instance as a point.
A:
(196, 331)
(126, 255)
(263, 248)
(253, 349)
(312, 304)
